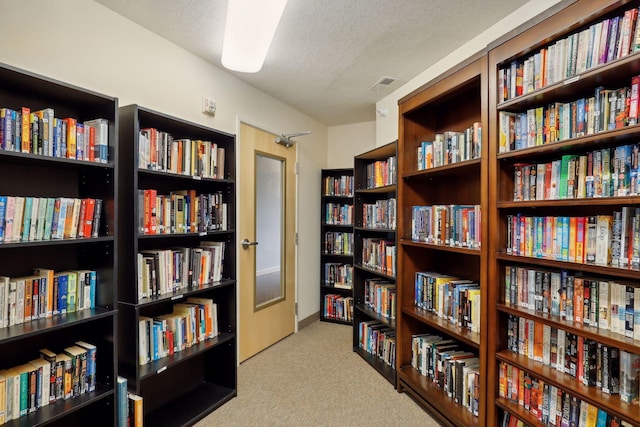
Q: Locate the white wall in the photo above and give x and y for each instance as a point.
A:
(387, 127)
(83, 43)
(347, 141)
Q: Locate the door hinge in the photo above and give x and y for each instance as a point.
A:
(297, 168)
(296, 308)
(296, 238)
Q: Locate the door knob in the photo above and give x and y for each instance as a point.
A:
(246, 243)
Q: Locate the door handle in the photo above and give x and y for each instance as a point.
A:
(246, 243)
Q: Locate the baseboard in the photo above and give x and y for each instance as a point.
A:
(308, 320)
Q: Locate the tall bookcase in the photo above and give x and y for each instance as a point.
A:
(541, 259)
(182, 387)
(336, 253)
(30, 174)
(442, 166)
(374, 324)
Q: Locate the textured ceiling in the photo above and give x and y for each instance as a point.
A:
(326, 54)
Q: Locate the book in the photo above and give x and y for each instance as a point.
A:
(122, 402)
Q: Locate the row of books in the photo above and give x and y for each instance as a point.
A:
(450, 147)
(450, 368)
(451, 298)
(380, 296)
(601, 239)
(379, 255)
(589, 362)
(609, 172)
(51, 377)
(338, 243)
(338, 214)
(589, 301)
(381, 214)
(190, 323)
(601, 43)
(338, 186)
(379, 340)
(590, 416)
(164, 271)
(608, 109)
(40, 132)
(129, 412)
(159, 151)
(182, 211)
(338, 307)
(382, 172)
(450, 225)
(45, 294)
(338, 275)
(29, 219)
(551, 405)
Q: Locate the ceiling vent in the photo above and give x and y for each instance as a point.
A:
(382, 83)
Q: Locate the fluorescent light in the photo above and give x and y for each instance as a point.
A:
(249, 30)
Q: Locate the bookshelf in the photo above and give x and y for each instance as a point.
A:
(374, 325)
(178, 388)
(442, 166)
(566, 334)
(336, 252)
(33, 174)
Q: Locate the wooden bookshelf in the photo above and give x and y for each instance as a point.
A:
(183, 387)
(368, 192)
(38, 173)
(442, 110)
(613, 73)
(336, 295)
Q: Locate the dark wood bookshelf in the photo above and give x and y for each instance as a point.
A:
(38, 175)
(365, 194)
(456, 102)
(345, 197)
(571, 18)
(174, 387)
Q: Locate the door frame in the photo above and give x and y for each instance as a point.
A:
(239, 121)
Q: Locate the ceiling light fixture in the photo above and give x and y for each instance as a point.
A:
(248, 33)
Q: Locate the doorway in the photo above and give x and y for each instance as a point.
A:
(266, 230)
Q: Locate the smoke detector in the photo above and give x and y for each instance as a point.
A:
(382, 83)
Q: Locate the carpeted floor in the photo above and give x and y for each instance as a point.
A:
(313, 378)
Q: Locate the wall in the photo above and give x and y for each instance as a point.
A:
(88, 45)
(347, 141)
(387, 127)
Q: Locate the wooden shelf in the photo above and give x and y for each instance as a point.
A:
(434, 321)
(570, 203)
(374, 230)
(610, 403)
(440, 405)
(377, 190)
(466, 167)
(445, 248)
(519, 412)
(181, 294)
(376, 316)
(372, 271)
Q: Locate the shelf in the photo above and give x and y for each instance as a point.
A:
(57, 410)
(350, 256)
(191, 406)
(466, 167)
(377, 190)
(330, 289)
(376, 316)
(346, 226)
(14, 245)
(610, 403)
(593, 201)
(176, 176)
(161, 365)
(345, 198)
(431, 319)
(49, 161)
(374, 230)
(445, 248)
(376, 272)
(385, 370)
(44, 326)
(435, 398)
(183, 235)
(183, 293)
(626, 272)
(604, 336)
(334, 320)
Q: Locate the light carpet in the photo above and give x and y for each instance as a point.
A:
(313, 378)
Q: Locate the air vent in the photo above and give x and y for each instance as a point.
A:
(382, 83)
